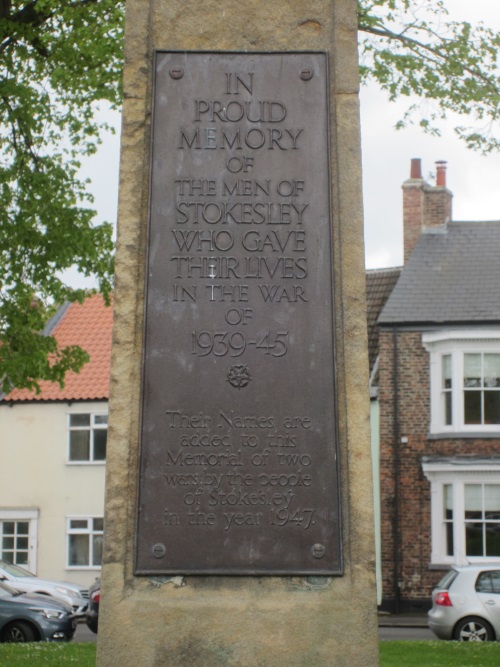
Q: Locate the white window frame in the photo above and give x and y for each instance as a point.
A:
(81, 531)
(457, 473)
(92, 427)
(456, 343)
(30, 515)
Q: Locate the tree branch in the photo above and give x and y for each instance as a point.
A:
(31, 15)
(4, 9)
(414, 44)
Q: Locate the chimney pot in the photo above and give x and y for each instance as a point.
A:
(416, 168)
(441, 173)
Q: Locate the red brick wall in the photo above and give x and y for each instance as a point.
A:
(437, 208)
(424, 206)
(413, 211)
(417, 580)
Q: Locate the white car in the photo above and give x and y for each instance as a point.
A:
(25, 582)
(466, 604)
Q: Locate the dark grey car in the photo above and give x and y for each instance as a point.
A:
(26, 582)
(30, 617)
(92, 613)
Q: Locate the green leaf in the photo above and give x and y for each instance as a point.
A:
(60, 61)
(412, 48)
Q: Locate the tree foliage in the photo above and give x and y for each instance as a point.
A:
(60, 59)
(412, 48)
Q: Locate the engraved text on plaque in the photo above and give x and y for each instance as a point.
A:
(239, 470)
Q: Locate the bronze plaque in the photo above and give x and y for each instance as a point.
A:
(239, 465)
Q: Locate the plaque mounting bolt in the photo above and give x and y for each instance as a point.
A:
(158, 550)
(318, 550)
(176, 72)
(306, 73)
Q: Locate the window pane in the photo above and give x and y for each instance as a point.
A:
(22, 543)
(492, 407)
(492, 370)
(8, 528)
(98, 524)
(448, 517)
(23, 527)
(447, 371)
(8, 557)
(100, 436)
(97, 552)
(22, 558)
(78, 523)
(448, 501)
(79, 445)
(492, 501)
(472, 370)
(492, 539)
(450, 549)
(473, 501)
(474, 539)
(78, 550)
(472, 407)
(103, 419)
(79, 420)
(8, 543)
(448, 415)
(447, 580)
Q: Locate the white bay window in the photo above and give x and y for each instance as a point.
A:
(465, 381)
(465, 508)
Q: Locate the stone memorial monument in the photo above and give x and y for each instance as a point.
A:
(238, 527)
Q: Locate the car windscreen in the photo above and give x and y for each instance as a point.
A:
(447, 580)
(15, 570)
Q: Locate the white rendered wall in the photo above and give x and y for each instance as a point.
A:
(34, 474)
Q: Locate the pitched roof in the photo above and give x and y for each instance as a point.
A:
(379, 285)
(452, 277)
(88, 325)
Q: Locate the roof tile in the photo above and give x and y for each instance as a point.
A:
(379, 285)
(88, 325)
(452, 276)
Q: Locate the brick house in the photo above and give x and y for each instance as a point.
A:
(439, 397)
(379, 285)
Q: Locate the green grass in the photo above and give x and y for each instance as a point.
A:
(47, 655)
(439, 654)
(392, 654)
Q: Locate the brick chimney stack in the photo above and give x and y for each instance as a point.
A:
(413, 207)
(424, 205)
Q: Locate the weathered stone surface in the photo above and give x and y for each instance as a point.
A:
(243, 621)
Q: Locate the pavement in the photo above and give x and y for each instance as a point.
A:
(412, 620)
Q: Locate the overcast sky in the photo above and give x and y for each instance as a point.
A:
(473, 179)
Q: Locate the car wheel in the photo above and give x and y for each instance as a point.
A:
(18, 632)
(473, 629)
